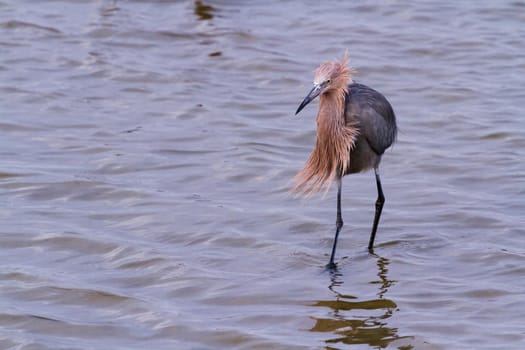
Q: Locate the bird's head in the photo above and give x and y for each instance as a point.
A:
(329, 77)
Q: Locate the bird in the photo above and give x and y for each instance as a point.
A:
(355, 126)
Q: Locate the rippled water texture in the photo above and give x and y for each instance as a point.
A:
(146, 149)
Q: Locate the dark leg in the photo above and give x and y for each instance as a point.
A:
(338, 223)
(379, 207)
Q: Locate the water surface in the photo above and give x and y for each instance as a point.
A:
(146, 149)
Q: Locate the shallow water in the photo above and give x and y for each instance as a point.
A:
(146, 150)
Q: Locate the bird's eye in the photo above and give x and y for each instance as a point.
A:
(329, 81)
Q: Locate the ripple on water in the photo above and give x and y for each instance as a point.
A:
(146, 156)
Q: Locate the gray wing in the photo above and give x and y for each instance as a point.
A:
(373, 114)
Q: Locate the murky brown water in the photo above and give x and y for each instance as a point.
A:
(145, 154)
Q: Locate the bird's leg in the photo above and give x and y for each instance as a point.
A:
(379, 207)
(338, 223)
(339, 219)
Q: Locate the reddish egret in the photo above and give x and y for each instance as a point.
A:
(355, 125)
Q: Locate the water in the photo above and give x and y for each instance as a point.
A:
(147, 148)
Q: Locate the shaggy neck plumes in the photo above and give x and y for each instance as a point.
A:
(331, 155)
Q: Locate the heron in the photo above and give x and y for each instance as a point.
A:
(355, 125)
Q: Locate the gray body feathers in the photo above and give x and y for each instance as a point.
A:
(373, 116)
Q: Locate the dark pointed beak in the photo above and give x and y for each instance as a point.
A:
(316, 90)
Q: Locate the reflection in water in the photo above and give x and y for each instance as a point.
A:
(359, 322)
(204, 12)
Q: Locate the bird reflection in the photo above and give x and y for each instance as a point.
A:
(355, 321)
(203, 11)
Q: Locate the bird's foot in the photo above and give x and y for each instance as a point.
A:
(371, 251)
(331, 266)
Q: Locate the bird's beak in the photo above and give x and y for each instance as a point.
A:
(316, 90)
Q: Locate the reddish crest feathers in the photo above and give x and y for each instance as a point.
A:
(335, 139)
(337, 71)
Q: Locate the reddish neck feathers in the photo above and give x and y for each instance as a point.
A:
(331, 154)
